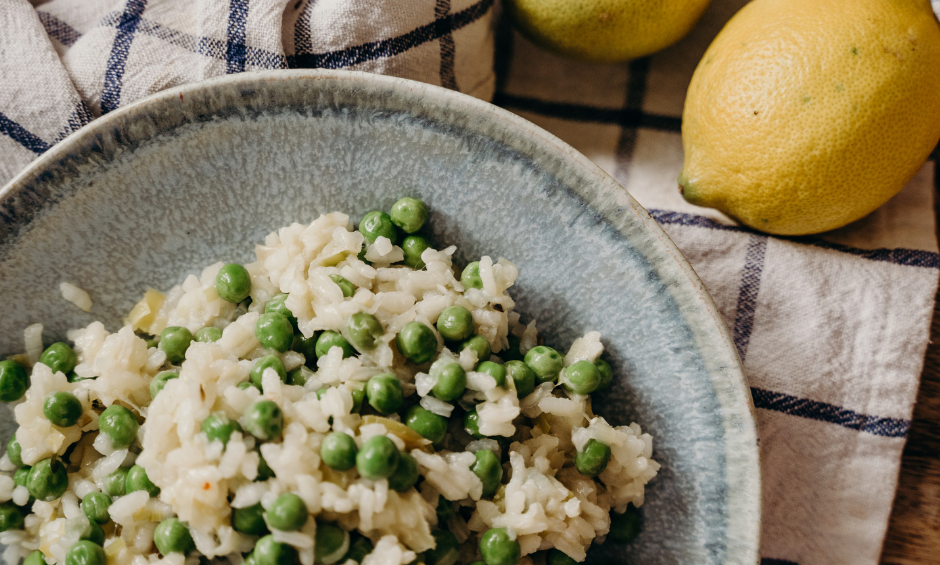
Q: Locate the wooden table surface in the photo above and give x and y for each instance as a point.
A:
(914, 529)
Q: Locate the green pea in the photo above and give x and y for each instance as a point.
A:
(274, 331)
(451, 382)
(495, 370)
(406, 473)
(321, 392)
(95, 505)
(246, 385)
(264, 420)
(545, 362)
(555, 557)
(330, 339)
(264, 471)
(497, 549)
(13, 381)
(218, 427)
(15, 452)
(625, 527)
(412, 247)
(582, 377)
(470, 277)
(306, 347)
(120, 425)
(593, 459)
(270, 552)
(59, 357)
(409, 214)
(249, 520)
(606, 372)
(347, 287)
(11, 517)
(445, 509)
(151, 342)
(362, 256)
(299, 376)
(417, 342)
(338, 451)
(208, 335)
(478, 563)
(471, 423)
(233, 283)
(85, 553)
(358, 395)
(159, 382)
(47, 480)
(330, 539)
(277, 306)
(363, 330)
(172, 536)
(115, 483)
(489, 471)
(174, 341)
(35, 558)
(267, 362)
(377, 458)
(522, 376)
(378, 224)
(62, 408)
(445, 551)
(20, 476)
(479, 345)
(137, 479)
(384, 393)
(429, 425)
(359, 547)
(92, 532)
(287, 513)
(455, 323)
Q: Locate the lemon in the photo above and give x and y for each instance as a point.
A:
(805, 115)
(605, 30)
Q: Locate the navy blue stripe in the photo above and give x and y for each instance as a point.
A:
(209, 46)
(770, 561)
(747, 294)
(80, 116)
(636, 93)
(235, 49)
(302, 32)
(448, 78)
(21, 135)
(58, 29)
(114, 75)
(390, 47)
(502, 65)
(623, 117)
(813, 410)
(905, 257)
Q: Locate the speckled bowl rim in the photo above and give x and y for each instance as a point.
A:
(602, 193)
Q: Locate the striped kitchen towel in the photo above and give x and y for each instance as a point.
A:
(832, 329)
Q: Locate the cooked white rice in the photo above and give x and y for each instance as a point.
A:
(544, 502)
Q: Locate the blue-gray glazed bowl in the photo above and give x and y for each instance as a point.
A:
(200, 173)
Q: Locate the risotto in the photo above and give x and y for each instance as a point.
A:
(348, 397)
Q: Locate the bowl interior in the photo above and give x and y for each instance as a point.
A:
(175, 183)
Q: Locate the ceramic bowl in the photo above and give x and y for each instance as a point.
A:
(201, 173)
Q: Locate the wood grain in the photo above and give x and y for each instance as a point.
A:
(914, 530)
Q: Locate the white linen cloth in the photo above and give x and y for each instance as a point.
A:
(832, 329)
